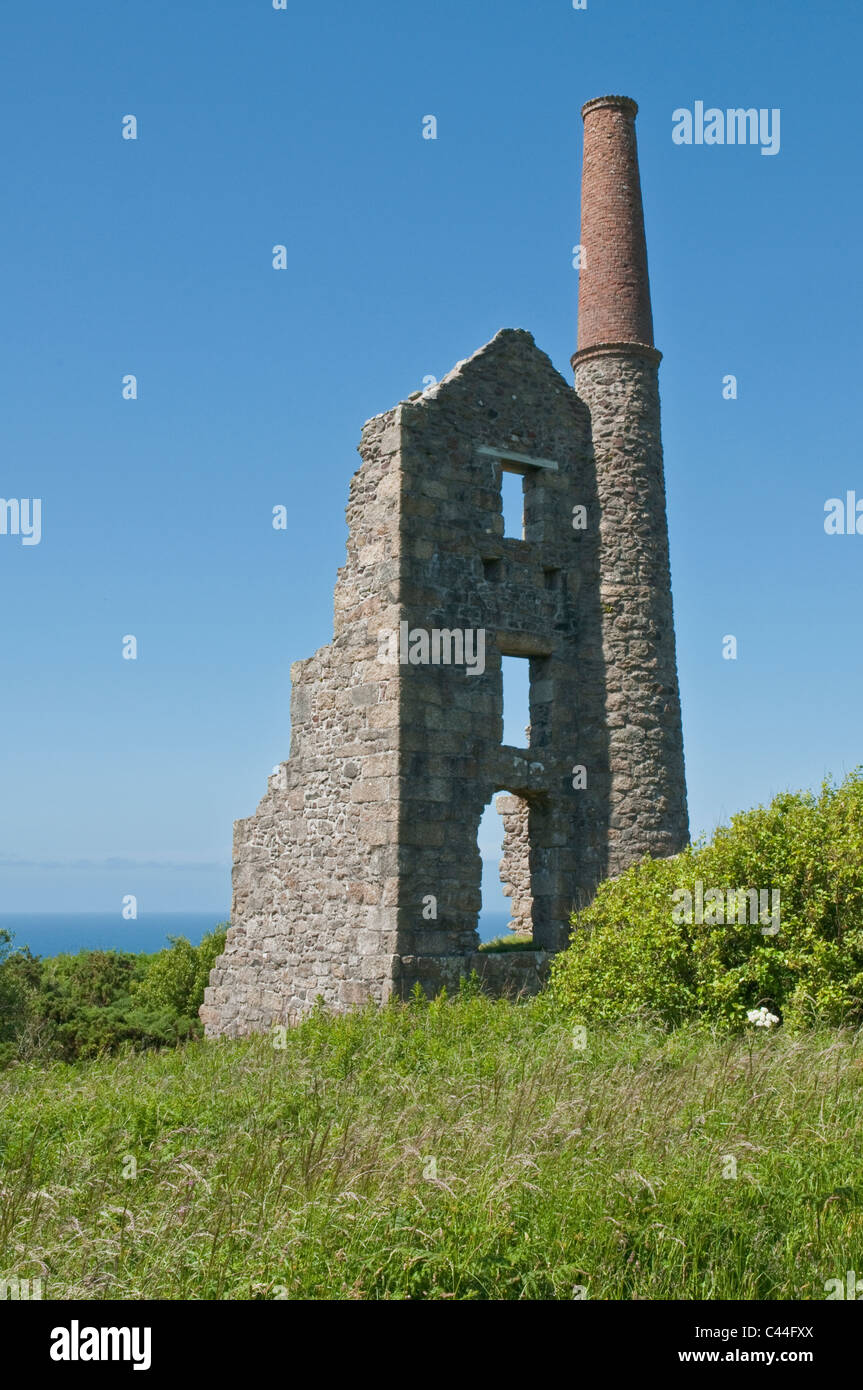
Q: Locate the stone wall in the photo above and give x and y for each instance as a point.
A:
(530, 598)
(315, 869)
(515, 862)
(359, 874)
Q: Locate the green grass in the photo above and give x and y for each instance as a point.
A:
(513, 941)
(307, 1172)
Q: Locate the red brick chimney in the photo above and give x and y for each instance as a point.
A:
(613, 289)
(642, 774)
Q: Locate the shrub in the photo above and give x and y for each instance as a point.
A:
(19, 979)
(177, 977)
(95, 1002)
(629, 953)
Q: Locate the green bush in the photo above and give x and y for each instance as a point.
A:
(94, 1002)
(177, 977)
(628, 952)
(19, 981)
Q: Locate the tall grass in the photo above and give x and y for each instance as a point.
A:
(462, 1149)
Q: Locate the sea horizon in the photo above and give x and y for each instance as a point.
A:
(55, 933)
(58, 933)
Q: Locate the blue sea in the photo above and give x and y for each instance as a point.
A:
(492, 924)
(51, 933)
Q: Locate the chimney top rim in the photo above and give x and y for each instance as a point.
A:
(620, 103)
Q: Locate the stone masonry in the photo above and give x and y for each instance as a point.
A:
(515, 861)
(359, 874)
(616, 375)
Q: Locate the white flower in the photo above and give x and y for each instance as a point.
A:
(761, 1018)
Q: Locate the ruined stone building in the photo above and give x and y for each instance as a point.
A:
(359, 873)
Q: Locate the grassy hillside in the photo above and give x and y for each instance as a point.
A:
(463, 1149)
(629, 1134)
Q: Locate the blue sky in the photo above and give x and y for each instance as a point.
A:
(304, 127)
